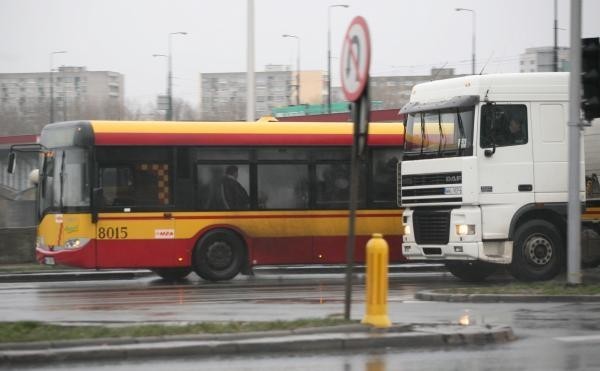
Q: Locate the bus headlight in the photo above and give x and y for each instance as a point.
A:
(73, 243)
(407, 230)
(465, 229)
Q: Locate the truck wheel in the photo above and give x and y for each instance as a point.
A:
(538, 252)
(219, 255)
(172, 274)
(471, 271)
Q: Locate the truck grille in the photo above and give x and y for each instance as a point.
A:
(438, 188)
(432, 226)
(432, 179)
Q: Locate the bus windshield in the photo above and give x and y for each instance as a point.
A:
(439, 133)
(65, 180)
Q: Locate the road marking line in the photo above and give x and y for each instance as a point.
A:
(575, 339)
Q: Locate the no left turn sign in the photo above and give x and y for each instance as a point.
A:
(355, 59)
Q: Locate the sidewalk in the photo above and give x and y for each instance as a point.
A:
(325, 339)
(590, 276)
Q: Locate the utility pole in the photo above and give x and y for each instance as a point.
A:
(329, 52)
(574, 126)
(170, 78)
(250, 78)
(555, 56)
(52, 82)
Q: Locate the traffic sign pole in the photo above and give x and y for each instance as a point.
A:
(355, 61)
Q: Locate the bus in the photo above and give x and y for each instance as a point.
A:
(216, 198)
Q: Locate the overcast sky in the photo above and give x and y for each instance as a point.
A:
(408, 36)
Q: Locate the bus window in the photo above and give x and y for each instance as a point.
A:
(223, 187)
(282, 186)
(333, 186)
(137, 185)
(383, 176)
(117, 185)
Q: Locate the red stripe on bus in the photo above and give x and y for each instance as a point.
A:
(103, 139)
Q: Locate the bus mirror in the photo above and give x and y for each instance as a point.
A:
(12, 160)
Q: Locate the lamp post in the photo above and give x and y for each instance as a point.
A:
(52, 83)
(297, 67)
(329, 52)
(159, 100)
(473, 13)
(170, 77)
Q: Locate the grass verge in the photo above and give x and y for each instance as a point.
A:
(536, 288)
(28, 331)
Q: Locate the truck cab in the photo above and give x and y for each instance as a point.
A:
(483, 181)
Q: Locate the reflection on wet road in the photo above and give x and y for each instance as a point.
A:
(552, 336)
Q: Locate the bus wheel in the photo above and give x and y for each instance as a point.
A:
(538, 252)
(218, 255)
(173, 274)
(471, 271)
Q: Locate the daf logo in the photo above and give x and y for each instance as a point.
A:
(453, 179)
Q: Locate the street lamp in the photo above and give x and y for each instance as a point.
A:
(170, 77)
(473, 13)
(52, 83)
(329, 52)
(297, 68)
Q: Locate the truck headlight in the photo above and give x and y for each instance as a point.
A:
(406, 229)
(465, 229)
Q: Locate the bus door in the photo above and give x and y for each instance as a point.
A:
(135, 227)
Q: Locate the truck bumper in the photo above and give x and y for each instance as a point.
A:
(499, 252)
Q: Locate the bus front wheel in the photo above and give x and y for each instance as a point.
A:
(219, 255)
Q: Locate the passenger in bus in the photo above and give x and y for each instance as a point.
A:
(210, 189)
(234, 194)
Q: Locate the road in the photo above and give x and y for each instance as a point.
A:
(552, 336)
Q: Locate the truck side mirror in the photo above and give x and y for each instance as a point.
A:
(491, 108)
(12, 160)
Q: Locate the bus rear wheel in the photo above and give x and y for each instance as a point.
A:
(219, 255)
(173, 274)
(538, 252)
(471, 271)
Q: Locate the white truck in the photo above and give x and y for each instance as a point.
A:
(483, 180)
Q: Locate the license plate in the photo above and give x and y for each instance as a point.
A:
(48, 260)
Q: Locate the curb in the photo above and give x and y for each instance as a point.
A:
(90, 275)
(337, 338)
(504, 298)
(74, 275)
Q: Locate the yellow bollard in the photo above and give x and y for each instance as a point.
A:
(377, 283)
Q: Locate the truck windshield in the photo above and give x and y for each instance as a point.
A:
(64, 180)
(439, 133)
